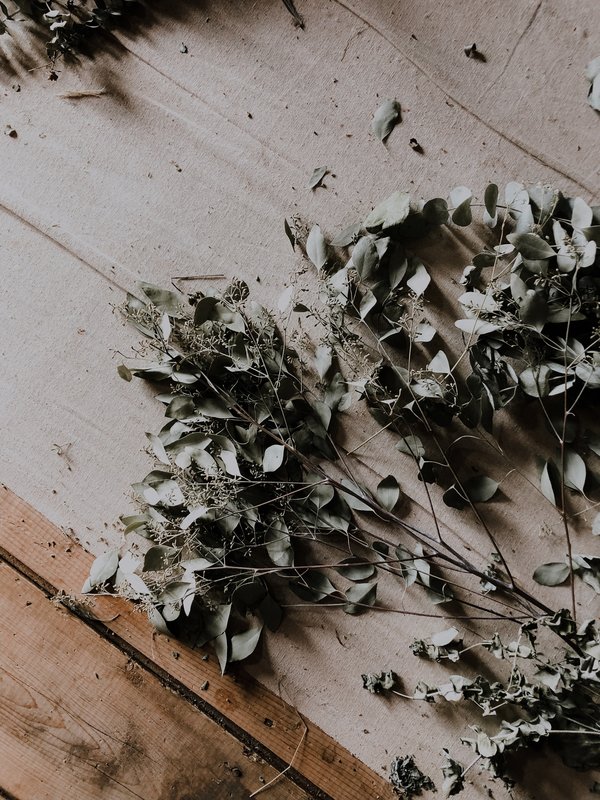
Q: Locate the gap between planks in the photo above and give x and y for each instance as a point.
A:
(105, 728)
(241, 705)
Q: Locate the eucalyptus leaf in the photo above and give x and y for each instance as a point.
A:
(273, 457)
(549, 482)
(278, 544)
(592, 73)
(158, 448)
(575, 471)
(435, 211)
(353, 499)
(388, 493)
(347, 236)
(412, 446)
(439, 363)
(531, 246)
(359, 597)
(385, 119)
(419, 281)
(316, 247)
(158, 621)
(367, 303)
(242, 645)
(167, 301)
(444, 638)
(124, 372)
(480, 488)
(490, 201)
(289, 233)
(460, 199)
(389, 213)
(323, 359)
(551, 574)
(313, 586)
(103, 568)
(159, 557)
(365, 257)
(355, 569)
(317, 176)
(180, 407)
(535, 381)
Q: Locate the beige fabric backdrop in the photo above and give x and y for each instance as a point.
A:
(188, 164)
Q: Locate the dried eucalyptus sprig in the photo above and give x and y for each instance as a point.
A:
(531, 334)
(255, 503)
(73, 26)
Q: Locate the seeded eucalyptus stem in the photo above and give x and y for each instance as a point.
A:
(253, 495)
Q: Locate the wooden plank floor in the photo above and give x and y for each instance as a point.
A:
(80, 720)
(94, 704)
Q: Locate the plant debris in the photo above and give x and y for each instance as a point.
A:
(73, 26)
(254, 505)
(407, 779)
(592, 73)
(471, 51)
(317, 177)
(385, 119)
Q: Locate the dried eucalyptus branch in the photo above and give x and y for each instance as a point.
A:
(255, 498)
(73, 25)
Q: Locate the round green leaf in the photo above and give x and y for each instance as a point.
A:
(552, 574)
(385, 119)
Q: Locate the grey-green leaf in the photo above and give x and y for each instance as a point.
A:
(575, 471)
(273, 457)
(480, 489)
(547, 482)
(552, 574)
(169, 302)
(359, 597)
(419, 281)
(490, 199)
(316, 247)
(323, 359)
(158, 558)
(412, 446)
(102, 569)
(355, 569)
(531, 246)
(317, 176)
(124, 372)
(365, 257)
(388, 493)
(244, 644)
(313, 587)
(353, 501)
(461, 198)
(347, 236)
(289, 233)
(278, 544)
(592, 73)
(390, 212)
(385, 119)
(442, 638)
(535, 381)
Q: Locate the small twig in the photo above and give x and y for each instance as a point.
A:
(209, 277)
(79, 94)
(289, 766)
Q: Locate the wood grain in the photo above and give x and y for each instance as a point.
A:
(79, 720)
(237, 702)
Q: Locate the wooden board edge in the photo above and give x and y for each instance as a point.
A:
(248, 710)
